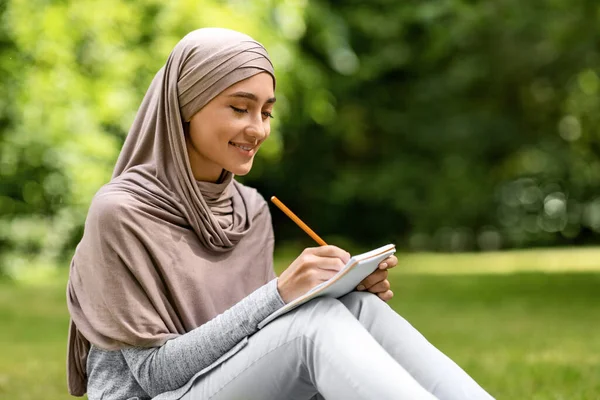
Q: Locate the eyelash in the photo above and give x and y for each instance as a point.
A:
(242, 111)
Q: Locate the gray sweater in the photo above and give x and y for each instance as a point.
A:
(145, 373)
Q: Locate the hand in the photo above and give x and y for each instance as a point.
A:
(377, 282)
(314, 266)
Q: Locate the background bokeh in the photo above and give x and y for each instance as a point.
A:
(446, 126)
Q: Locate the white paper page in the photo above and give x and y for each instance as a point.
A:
(357, 269)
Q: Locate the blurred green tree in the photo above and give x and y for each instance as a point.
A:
(73, 74)
(447, 125)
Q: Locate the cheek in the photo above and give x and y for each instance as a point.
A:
(267, 127)
(227, 125)
(227, 131)
(213, 135)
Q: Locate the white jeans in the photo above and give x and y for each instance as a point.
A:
(352, 348)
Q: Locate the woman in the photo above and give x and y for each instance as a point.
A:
(174, 270)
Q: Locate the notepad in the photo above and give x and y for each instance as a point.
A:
(345, 281)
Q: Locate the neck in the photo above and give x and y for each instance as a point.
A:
(206, 177)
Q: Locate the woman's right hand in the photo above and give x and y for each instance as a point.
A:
(314, 266)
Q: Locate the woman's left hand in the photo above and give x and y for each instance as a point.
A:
(377, 282)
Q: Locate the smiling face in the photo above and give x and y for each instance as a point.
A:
(228, 131)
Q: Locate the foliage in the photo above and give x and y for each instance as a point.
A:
(73, 75)
(447, 125)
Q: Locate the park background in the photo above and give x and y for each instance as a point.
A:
(466, 132)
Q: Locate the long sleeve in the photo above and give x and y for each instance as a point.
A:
(166, 368)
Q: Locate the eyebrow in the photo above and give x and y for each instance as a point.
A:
(251, 96)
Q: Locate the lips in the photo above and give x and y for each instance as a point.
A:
(246, 150)
(243, 146)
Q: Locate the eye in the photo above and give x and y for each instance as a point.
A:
(239, 110)
(267, 114)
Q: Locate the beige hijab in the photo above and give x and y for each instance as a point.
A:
(161, 253)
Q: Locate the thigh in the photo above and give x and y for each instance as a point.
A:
(270, 366)
(319, 345)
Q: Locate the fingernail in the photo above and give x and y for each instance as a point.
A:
(383, 265)
(360, 287)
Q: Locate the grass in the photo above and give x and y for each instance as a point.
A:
(33, 334)
(520, 331)
(521, 336)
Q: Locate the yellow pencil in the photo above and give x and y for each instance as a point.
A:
(298, 221)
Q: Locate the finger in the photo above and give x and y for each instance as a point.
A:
(386, 296)
(325, 263)
(389, 262)
(331, 251)
(323, 275)
(380, 287)
(377, 276)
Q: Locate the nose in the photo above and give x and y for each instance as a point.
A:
(256, 131)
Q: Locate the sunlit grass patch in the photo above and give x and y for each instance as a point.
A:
(554, 260)
(505, 262)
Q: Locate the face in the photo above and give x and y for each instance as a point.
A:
(228, 131)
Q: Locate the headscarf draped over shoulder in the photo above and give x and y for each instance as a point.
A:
(161, 253)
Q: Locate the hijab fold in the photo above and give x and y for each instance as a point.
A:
(162, 253)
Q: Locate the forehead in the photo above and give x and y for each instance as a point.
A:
(261, 85)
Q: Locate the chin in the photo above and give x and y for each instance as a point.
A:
(241, 170)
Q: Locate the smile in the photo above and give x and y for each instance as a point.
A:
(243, 147)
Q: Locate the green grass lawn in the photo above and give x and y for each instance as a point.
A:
(33, 332)
(522, 335)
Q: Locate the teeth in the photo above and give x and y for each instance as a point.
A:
(241, 147)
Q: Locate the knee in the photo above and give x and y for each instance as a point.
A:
(359, 302)
(357, 297)
(319, 314)
(323, 308)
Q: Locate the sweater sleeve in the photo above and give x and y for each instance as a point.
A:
(170, 366)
